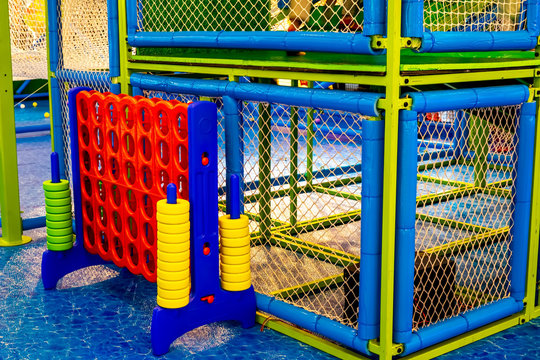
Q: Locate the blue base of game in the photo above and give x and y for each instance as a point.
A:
(170, 324)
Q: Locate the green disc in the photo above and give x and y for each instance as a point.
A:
(58, 217)
(59, 239)
(61, 186)
(60, 232)
(58, 224)
(60, 247)
(58, 194)
(58, 209)
(58, 202)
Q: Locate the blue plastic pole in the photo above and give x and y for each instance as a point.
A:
(55, 168)
(522, 190)
(312, 322)
(171, 194)
(445, 100)
(440, 41)
(356, 102)
(131, 17)
(460, 324)
(371, 228)
(32, 128)
(58, 131)
(234, 191)
(233, 151)
(75, 166)
(31, 223)
(405, 226)
(54, 46)
(31, 96)
(374, 17)
(22, 87)
(112, 28)
(412, 18)
(349, 43)
(97, 78)
(532, 8)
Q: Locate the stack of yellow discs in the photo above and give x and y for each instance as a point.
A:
(173, 256)
(235, 253)
(58, 215)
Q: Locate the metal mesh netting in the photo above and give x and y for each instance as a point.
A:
(464, 210)
(28, 40)
(303, 187)
(474, 15)
(84, 35)
(84, 51)
(249, 15)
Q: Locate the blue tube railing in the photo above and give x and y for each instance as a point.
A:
(233, 148)
(522, 191)
(445, 100)
(31, 223)
(357, 102)
(371, 225)
(310, 321)
(405, 226)
(460, 324)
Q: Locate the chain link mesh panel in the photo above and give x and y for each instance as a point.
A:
(28, 39)
(474, 15)
(304, 199)
(464, 210)
(249, 15)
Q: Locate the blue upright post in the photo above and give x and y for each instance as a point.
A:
(522, 190)
(233, 147)
(371, 225)
(405, 226)
(208, 301)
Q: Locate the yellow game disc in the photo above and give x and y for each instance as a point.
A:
(173, 257)
(172, 238)
(173, 229)
(234, 233)
(173, 294)
(225, 222)
(235, 260)
(235, 269)
(235, 286)
(244, 250)
(174, 285)
(172, 304)
(173, 266)
(172, 219)
(235, 242)
(236, 278)
(172, 276)
(173, 248)
(181, 207)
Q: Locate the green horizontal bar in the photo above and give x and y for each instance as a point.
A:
(339, 193)
(470, 243)
(440, 181)
(453, 223)
(431, 199)
(310, 288)
(342, 182)
(497, 192)
(436, 165)
(307, 337)
(321, 223)
(320, 252)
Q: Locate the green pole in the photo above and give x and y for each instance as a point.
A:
(265, 171)
(9, 179)
(310, 137)
(479, 143)
(293, 179)
(392, 107)
(532, 294)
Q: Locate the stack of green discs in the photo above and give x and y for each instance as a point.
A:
(58, 215)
